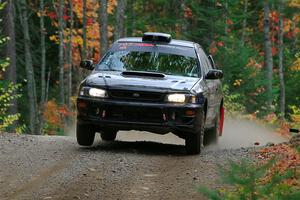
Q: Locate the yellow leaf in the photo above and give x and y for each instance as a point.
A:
(53, 38)
(294, 3)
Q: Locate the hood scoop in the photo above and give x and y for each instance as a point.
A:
(143, 74)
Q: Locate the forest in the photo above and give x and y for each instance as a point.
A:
(255, 42)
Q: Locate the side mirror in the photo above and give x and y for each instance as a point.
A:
(87, 64)
(292, 130)
(214, 74)
(212, 62)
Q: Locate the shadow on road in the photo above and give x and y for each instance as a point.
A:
(138, 147)
(237, 134)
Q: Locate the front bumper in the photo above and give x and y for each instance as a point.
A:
(127, 115)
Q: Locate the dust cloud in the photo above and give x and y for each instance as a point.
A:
(244, 133)
(237, 133)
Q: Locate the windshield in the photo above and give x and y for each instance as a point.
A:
(150, 59)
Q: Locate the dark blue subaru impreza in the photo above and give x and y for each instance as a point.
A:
(153, 83)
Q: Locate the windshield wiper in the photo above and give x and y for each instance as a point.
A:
(114, 70)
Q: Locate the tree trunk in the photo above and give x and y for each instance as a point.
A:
(185, 22)
(103, 26)
(47, 85)
(61, 52)
(268, 59)
(295, 47)
(43, 65)
(43, 52)
(244, 22)
(31, 88)
(120, 26)
(10, 51)
(84, 23)
(281, 71)
(132, 18)
(226, 17)
(70, 63)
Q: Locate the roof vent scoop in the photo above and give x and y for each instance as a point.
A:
(157, 37)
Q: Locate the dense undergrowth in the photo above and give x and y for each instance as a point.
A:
(274, 173)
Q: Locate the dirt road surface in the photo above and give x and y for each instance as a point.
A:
(138, 165)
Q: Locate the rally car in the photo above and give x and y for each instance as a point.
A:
(152, 83)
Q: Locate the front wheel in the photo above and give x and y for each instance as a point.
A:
(194, 142)
(85, 134)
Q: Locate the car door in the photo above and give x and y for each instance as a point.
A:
(215, 86)
(210, 86)
(219, 92)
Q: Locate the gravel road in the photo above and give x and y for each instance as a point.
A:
(138, 165)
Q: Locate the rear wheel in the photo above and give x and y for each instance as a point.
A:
(108, 135)
(85, 134)
(194, 142)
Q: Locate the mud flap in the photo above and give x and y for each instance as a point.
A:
(222, 116)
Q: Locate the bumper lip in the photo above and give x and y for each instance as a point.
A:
(105, 101)
(160, 128)
(156, 127)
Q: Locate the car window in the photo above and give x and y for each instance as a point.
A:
(212, 62)
(204, 64)
(205, 59)
(152, 59)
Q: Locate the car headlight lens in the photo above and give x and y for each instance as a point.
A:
(95, 92)
(176, 98)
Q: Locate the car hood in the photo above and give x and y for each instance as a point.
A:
(117, 80)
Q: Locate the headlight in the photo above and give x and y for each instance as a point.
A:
(176, 98)
(93, 92)
(181, 98)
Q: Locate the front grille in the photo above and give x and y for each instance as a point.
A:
(134, 114)
(136, 95)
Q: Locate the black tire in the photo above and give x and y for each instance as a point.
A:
(108, 135)
(211, 136)
(194, 142)
(85, 134)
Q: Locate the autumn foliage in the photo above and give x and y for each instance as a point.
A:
(54, 117)
(93, 27)
(287, 158)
